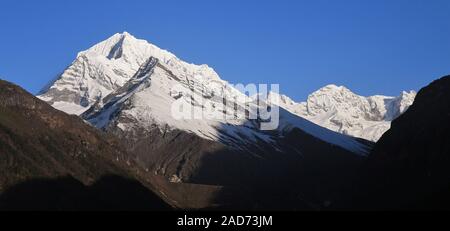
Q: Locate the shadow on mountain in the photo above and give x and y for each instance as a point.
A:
(408, 168)
(110, 193)
(310, 174)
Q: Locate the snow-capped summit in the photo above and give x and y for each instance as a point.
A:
(339, 109)
(107, 66)
(325, 100)
(400, 104)
(284, 100)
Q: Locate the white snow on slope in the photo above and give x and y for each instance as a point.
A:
(340, 110)
(150, 100)
(150, 103)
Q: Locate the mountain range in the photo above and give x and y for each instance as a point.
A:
(109, 65)
(339, 109)
(131, 117)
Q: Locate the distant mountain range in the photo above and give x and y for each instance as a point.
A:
(340, 110)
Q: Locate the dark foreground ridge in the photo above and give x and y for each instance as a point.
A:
(109, 193)
(47, 157)
(409, 167)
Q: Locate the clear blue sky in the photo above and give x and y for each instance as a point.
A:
(370, 46)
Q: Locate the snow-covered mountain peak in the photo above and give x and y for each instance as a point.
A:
(107, 66)
(339, 109)
(125, 33)
(406, 99)
(332, 97)
(284, 99)
(408, 96)
(333, 89)
(127, 47)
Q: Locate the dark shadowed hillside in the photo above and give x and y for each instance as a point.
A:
(109, 193)
(409, 167)
(39, 142)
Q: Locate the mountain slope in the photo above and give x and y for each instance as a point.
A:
(301, 157)
(147, 101)
(409, 166)
(340, 110)
(144, 103)
(39, 142)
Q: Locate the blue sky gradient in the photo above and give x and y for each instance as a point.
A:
(372, 47)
